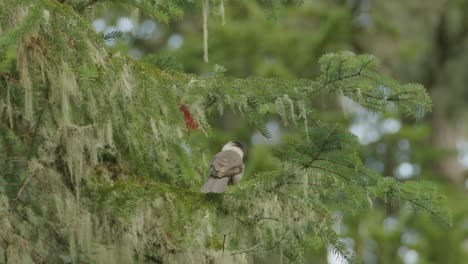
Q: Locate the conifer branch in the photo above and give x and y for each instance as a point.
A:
(255, 248)
(224, 241)
(23, 186)
(205, 29)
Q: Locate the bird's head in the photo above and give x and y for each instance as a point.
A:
(235, 146)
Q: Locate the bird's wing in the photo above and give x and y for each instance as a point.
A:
(226, 164)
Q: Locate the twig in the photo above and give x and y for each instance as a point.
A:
(254, 248)
(211, 102)
(341, 78)
(23, 217)
(270, 218)
(38, 255)
(13, 159)
(224, 241)
(205, 30)
(21, 190)
(5, 248)
(34, 136)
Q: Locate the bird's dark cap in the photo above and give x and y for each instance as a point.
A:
(239, 145)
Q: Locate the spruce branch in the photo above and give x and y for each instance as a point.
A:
(23, 186)
(113, 35)
(256, 248)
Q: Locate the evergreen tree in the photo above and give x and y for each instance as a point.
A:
(97, 165)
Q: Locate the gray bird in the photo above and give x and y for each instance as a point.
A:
(226, 168)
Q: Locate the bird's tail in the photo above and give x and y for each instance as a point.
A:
(215, 185)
